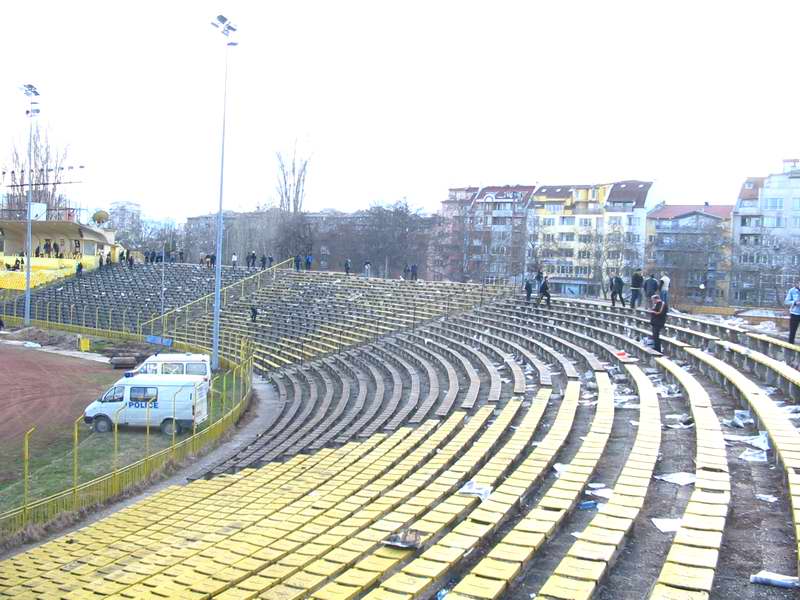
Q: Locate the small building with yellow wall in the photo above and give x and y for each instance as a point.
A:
(76, 243)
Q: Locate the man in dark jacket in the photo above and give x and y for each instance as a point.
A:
(528, 290)
(636, 288)
(650, 286)
(297, 261)
(658, 318)
(263, 261)
(253, 313)
(616, 284)
(544, 291)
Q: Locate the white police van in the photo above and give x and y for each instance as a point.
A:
(170, 402)
(176, 364)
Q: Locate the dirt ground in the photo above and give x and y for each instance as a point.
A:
(46, 391)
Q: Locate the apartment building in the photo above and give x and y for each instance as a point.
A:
(482, 234)
(577, 234)
(766, 237)
(581, 234)
(691, 244)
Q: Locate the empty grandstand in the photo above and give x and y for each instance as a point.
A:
(441, 438)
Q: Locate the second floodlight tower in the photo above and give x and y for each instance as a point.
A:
(226, 28)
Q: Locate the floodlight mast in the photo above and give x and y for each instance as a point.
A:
(226, 28)
(31, 92)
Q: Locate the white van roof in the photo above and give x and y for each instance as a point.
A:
(161, 380)
(177, 357)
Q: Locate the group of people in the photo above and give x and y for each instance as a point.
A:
(657, 292)
(410, 272)
(541, 283)
(640, 288)
(299, 261)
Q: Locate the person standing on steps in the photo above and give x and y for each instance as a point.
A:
(616, 284)
(528, 290)
(793, 302)
(234, 260)
(367, 268)
(270, 259)
(347, 266)
(297, 261)
(663, 287)
(636, 288)
(544, 291)
(650, 286)
(414, 271)
(309, 261)
(253, 313)
(658, 318)
(263, 261)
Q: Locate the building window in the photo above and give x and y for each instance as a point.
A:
(586, 223)
(751, 221)
(633, 221)
(584, 254)
(548, 222)
(567, 237)
(549, 238)
(568, 220)
(615, 221)
(795, 222)
(773, 203)
(773, 222)
(795, 203)
(585, 238)
(554, 208)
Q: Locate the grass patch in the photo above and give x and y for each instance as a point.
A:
(51, 462)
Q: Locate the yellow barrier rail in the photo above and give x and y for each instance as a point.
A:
(204, 304)
(81, 495)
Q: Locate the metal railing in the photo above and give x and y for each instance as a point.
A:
(226, 404)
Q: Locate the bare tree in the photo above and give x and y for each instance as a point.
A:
(47, 172)
(295, 234)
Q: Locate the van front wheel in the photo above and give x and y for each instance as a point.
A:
(101, 424)
(169, 426)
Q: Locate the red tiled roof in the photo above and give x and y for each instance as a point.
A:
(679, 210)
(751, 192)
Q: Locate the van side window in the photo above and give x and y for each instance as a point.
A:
(142, 394)
(172, 368)
(115, 394)
(149, 369)
(196, 369)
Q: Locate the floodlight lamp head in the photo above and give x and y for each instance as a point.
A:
(30, 90)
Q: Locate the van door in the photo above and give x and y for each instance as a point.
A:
(112, 401)
(142, 402)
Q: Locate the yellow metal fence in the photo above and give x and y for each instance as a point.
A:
(229, 396)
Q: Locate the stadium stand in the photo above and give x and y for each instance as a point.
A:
(395, 396)
(121, 298)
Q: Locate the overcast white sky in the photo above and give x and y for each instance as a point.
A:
(405, 99)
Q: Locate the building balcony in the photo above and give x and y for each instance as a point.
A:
(577, 209)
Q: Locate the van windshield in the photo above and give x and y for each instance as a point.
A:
(115, 394)
(196, 369)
